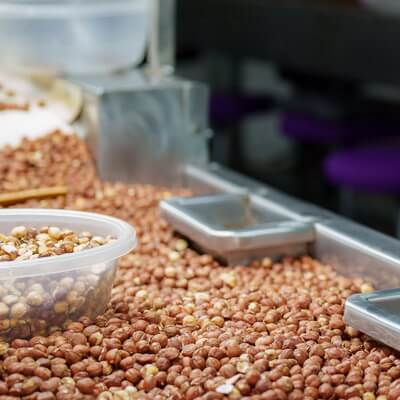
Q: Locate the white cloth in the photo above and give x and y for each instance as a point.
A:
(16, 125)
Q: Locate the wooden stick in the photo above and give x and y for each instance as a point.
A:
(18, 197)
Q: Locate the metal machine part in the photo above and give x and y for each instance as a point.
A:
(144, 125)
(143, 130)
(230, 227)
(353, 250)
(161, 51)
(377, 314)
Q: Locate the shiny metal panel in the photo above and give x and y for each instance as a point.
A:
(377, 314)
(145, 131)
(357, 251)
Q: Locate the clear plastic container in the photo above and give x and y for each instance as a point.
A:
(73, 36)
(55, 290)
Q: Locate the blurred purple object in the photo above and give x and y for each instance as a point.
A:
(309, 129)
(374, 169)
(228, 108)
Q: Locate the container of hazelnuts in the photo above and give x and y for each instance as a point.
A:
(56, 266)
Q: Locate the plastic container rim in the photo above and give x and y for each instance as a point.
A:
(126, 241)
(67, 9)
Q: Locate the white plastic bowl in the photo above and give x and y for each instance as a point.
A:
(67, 286)
(73, 36)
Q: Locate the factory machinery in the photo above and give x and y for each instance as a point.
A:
(145, 125)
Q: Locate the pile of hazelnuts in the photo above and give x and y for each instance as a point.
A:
(179, 324)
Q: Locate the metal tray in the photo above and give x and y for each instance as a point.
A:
(353, 250)
(377, 314)
(234, 229)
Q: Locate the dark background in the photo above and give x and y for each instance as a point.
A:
(328, 60)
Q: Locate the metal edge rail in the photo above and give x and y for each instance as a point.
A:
(352, 249)
(373, 313)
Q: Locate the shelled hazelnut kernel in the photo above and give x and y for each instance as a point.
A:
(24, 243)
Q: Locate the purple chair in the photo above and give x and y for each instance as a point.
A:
(372, 169)
(306, 128)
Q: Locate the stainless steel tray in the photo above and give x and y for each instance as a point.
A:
(234, 229)
(353, 250)
(377, 314)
